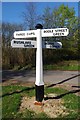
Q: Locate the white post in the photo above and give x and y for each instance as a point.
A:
(39, 62)
(39, 84)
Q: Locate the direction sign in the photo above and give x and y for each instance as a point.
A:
(15, 43)
(52, 45)
(25, 34)
(45, 33)
(55, 32)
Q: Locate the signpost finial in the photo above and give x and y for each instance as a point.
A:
(39, 26)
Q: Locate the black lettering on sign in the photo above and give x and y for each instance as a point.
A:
(61, 30)
(20, 34)
(49, 43)
(32, 33)
(18, 42)
(58, 34)
(48, 31)
(30, 46)
(56, 46)
(62, 33)
(28, 42)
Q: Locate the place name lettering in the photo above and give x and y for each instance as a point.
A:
(61, 30)
(18, 42)
(57, 46)
(55, 30)
(25, 45)
(48, 31)
(54, 46)
(58, 34)
(28, 42)
(20, 34)
(23, 34)
(32, 33)
(23, 42)
(49, 43)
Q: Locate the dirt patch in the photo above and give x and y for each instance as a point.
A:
(52, 107)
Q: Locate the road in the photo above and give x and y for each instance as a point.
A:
(50, 77)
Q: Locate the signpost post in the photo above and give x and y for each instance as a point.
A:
(39, 84)
(39, 44)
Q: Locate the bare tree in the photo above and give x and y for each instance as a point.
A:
(47, 17)
(7, 32)
(30, 15)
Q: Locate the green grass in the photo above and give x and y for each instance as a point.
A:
(64, 65)
(54, 90)
(10, 105)
(72, 102)
(12, 99)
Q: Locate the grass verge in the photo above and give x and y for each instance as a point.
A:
(64, 65)
(11, 101)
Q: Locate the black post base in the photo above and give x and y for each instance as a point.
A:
(39, 91)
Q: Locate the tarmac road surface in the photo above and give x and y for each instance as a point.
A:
(50, 77)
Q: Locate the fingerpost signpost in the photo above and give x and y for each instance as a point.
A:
(39, 45)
